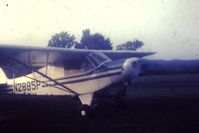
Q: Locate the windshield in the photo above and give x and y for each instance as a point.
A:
(97, 58)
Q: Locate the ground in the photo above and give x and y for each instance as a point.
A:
(153, 105)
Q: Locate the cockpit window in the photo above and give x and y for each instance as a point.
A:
(77, 65)
(81, 64)
(97, 58)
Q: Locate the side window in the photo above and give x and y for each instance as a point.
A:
(77, 65)
(17, 70)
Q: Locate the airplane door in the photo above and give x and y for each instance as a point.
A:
(55, 70)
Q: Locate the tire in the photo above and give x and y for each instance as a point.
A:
(85, 111)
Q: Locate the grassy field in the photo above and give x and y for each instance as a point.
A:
(155, 104)
(185, 86)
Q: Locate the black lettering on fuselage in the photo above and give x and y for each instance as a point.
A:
(38, 84)
(24, 86)
(27, 86)
(18, 87)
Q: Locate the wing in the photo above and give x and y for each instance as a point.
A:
(36, 55)
(121, 54)
(39, 55)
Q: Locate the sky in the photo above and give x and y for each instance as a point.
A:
(168, 27)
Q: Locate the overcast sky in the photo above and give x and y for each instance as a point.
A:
(169, 27)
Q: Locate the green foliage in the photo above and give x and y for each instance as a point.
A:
(90, 41)
(95, 41)
(130, 45)
(63, 40)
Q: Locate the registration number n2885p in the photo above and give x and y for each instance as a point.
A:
(27, 86)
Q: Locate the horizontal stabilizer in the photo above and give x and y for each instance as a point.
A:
(3, 77)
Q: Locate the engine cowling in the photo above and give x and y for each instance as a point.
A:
(131, 68)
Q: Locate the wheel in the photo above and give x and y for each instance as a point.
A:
(85, 111)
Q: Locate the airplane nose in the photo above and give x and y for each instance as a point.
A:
(131, 68)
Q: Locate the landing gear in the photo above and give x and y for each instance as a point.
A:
(85, 111)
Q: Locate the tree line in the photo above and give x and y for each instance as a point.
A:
(90, 41)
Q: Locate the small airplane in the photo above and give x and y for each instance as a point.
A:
(61, 72)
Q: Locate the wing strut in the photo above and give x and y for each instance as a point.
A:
(40, 73)
(40, 81)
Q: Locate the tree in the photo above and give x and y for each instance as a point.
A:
(95, 41)
(63, 40)
(130, 45)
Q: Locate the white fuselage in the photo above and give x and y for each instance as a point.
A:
(55, 83)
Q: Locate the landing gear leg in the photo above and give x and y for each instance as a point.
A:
(86, 101)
